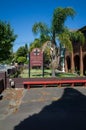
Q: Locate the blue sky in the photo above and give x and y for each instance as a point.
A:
(22, 14)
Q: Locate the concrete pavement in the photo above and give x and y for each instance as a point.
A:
(46, 108)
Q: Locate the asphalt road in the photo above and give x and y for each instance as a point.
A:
(47, 109)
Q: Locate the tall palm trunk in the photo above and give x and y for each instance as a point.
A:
(54, 60)
(72, 62)
(81, 61)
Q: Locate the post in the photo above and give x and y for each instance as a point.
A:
(81, 62)
(62, 47)
(43, 66)
(28, 58)
(72, 62)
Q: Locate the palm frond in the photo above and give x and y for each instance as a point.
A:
(64, 39)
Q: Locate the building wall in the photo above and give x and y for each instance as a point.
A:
(77, 59)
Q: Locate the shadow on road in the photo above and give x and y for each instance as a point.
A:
(67, 113)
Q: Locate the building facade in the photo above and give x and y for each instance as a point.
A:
(76, 60)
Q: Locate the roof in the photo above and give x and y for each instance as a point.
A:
(83, 30)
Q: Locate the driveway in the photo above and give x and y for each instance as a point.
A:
(45, 109)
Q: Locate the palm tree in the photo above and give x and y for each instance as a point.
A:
(57, 28)
(35, 44)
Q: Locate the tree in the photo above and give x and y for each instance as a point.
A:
(57, 28)
(21, 59)
(7, 37)
(35, 44)
(21, 52)
(26, 48)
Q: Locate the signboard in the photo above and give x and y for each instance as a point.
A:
(36, 58)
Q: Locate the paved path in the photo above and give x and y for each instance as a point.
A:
(47, 109)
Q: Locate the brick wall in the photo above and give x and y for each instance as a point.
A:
(3, 77)
(18, 82)
(1, 85)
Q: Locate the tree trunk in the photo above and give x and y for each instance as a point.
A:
(72, 62)
(81, 61)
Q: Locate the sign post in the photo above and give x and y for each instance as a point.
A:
(29, 65)
(28, 58)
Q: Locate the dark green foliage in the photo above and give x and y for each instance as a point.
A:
(78, 36)
(26, 48)
(7, 37)
(21, 59)
(21, 51)
(21, 54)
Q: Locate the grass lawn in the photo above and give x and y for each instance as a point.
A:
(35, 73)
(60, 74)
(47, 73)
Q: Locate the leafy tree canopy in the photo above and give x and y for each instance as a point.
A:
(7, 37)
(21, 54)
(21, 59)
(22, 51)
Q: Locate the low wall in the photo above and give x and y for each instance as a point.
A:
(3, 81)
(17, 81)
(1, 85)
